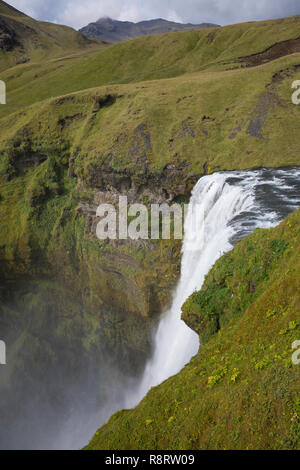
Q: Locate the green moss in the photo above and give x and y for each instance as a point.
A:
(233, 284)
(134, 107)
(7, 169)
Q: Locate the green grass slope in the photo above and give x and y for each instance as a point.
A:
(23, 39)
(219, 99)
(242, 390)
(6, 9)
(217, 120)
(148, 58)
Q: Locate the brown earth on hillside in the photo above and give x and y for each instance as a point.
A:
(281, 49)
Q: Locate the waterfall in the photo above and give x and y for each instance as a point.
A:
(232, 204)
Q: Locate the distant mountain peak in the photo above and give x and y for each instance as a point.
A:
(105, 19)
(108, 29)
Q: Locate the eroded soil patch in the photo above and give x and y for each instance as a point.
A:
(281, 49)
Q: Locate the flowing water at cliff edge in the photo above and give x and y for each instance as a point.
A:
(233, 205)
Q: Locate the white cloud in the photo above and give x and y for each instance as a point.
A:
(173, 16)
(77, 13)
(129, 13)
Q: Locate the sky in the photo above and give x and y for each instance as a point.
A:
(78, 13)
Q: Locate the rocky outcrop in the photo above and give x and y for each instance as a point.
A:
(171, 184)
(8, 38)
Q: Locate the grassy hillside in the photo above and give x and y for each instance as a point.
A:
(6, 9)
(23, 40)
(204, 98)
(231, 119)
(241, 391)
(147, 58)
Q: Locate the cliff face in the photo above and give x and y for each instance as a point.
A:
(58, 279)
(76, 313)
(7, 37)
(74, 310)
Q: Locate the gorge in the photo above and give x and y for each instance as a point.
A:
(234, 205)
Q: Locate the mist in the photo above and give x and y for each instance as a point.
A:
(54, 392)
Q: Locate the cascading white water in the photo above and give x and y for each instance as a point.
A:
(233, 205)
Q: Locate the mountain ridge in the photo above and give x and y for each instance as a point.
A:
(6, 9)
(108, 29)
